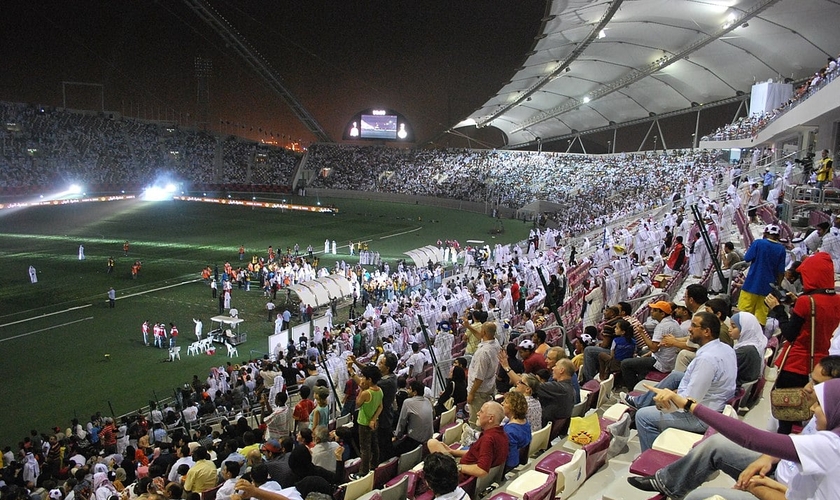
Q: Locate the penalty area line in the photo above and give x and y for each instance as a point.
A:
(45, 329)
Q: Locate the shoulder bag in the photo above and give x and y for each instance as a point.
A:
(790, 404)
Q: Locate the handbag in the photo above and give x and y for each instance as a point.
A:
(585, 430)
(789, 404)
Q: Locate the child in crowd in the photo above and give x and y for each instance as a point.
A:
(303, 409)
(321, 414)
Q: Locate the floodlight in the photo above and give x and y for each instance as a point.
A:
(586, 99)
(170, 188)
(74, 189)
(155, 193)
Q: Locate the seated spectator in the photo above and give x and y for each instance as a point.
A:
(518, 429)
(300, 461)
(184, 457)
(491, 449)
(810, 472)
(528, 386)
(710, 379)
(304, 438)
(662, 359)
(202, 475)
(455, 389)
(441, 474)
(503, 383)
(230, 474)
(416, 420)
(277, 461)
(531, 362)
(719, 453)
(750, 343)
(323, 453)
(556, 396)
(623, 347)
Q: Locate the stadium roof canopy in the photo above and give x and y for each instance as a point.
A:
(597, 64)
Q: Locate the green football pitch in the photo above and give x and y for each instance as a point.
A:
(65, 353)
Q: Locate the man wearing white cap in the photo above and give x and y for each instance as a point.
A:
(532, 362)
(767, 266)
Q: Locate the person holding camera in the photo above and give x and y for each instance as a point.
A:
(817, 273)
(807, 164)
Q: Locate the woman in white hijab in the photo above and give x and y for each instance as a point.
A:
(750, 343)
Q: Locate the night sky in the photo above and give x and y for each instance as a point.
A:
(433, 61)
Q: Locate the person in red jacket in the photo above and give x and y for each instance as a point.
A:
(817, 273)
(173, 335)
(676, 257)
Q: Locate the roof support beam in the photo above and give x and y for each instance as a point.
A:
(237, 43)
(615, 126)
(635, 76)
(541, 82)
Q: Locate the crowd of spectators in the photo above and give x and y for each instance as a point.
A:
(44, 146)
(517, 178)
(173, 450)
(748, 126)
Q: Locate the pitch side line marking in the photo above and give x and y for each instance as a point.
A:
(45, 315)
(106, 301)
(402, 233)
(158, 289)
(45, 329)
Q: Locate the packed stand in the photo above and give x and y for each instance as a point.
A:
(45, 146)
(515, 178)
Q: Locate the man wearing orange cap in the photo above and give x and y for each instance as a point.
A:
(633, 370)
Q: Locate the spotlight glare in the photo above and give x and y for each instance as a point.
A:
(156, 193)
(74, 189)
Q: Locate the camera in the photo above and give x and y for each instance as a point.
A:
(780, 294)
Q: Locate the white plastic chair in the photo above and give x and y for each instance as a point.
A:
(357, 488)
(174, 353)
(571, 475)
(676, 441)
(194, 349)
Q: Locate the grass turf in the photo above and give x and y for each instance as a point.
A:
(54, 335)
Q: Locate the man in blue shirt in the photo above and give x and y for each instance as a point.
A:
(709, 380)
(767, 265)
(769, 178)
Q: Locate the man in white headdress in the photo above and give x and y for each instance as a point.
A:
(81, 252)
(199, 327)
(33, 274)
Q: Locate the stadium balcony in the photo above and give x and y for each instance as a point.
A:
(819, 110)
